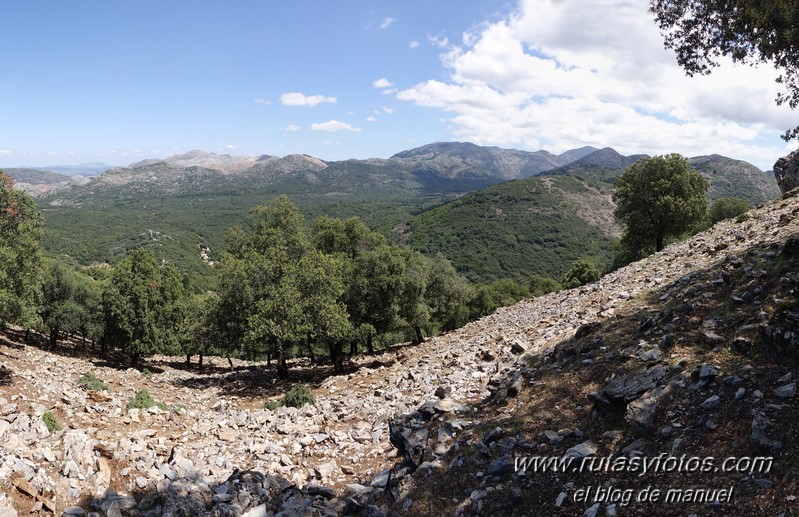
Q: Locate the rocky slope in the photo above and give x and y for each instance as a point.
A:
(689, 353)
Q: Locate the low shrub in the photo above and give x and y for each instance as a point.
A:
(271, 405)
(298, 396)
(89, 382)
(143, 400)
(49, 420)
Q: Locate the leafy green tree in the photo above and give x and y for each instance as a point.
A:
(88, 297)
(277, 293)
(373, 295)
(748, 31)
(20, 257)
(658, 198)
(727, 208)
(541, 285)
(350, 237)
(580, 273)
(321, 284)
(412, 306)
(143, 306)
(499, 293)
(250, 276)
(198, 333)
(447, 294)
(236, 301)
(59, 312)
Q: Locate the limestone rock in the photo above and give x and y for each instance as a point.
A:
(786, 172)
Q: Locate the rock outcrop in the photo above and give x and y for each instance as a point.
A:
(786, 171)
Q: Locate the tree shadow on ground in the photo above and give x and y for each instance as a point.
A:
(259, 381)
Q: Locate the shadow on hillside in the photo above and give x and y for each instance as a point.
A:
(259, 381)
(560, 378)
(243, 489)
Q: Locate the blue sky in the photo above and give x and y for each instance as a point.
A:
(118, 82)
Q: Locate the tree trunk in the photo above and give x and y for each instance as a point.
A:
(27, 335)
(282, 367)
(53, 337)
(200, 362)
(310, 350)
(419, 336)
(134, 358)
(269, 359)
(188, 361)
(230, 362)
(102, 345)
(658, 243)
(337, 356)
(369, 344)
(353, 347)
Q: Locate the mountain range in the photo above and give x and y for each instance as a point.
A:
(494, 212)
(437, 168)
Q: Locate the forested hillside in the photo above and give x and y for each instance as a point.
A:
(538, 225)
(181, 206)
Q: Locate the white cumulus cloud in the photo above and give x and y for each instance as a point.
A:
(560, 74)
(382, 83)
(387, 22)
(413, 44)
(300, 99)
(370, 118)
(262, 101)
(292, 127)
(334, 126)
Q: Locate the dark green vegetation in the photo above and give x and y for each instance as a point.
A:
(580, 273)
(283, 289)
(515, 229)
(735, 179)
(727, 208)
(50, 422)
(298, 396)
(196, 273)
(659, 198)
(20, 259)
(89, 382)
(748, 31)
(727, 177)
(181, 213)
(143, 400)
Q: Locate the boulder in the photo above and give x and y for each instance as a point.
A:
(786, 172)
(632, 385)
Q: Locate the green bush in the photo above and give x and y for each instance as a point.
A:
(89, 382)
(727, 208)
(298, 396)
(49, 420)
(580, 273)
(541, 285)
(271, 405)
(143, 400)
(742, 218)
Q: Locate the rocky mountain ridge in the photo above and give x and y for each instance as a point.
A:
(688, 352)
(438, 167)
